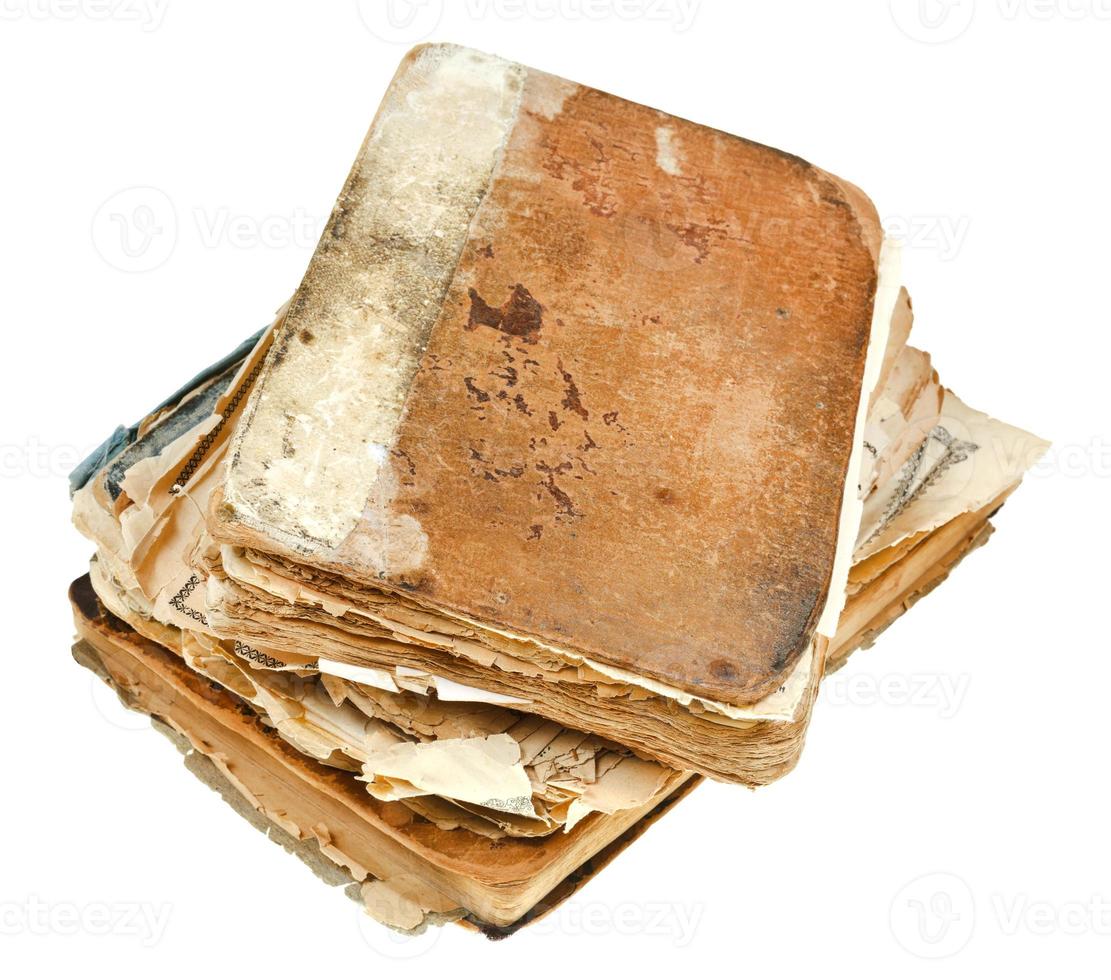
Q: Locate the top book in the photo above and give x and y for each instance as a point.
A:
(576, 372)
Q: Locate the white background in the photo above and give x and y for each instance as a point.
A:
(970, 745)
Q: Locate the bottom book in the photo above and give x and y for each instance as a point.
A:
(408, 872)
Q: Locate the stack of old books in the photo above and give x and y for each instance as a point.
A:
(590, 442)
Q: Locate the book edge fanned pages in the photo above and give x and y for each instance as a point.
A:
(377, 449)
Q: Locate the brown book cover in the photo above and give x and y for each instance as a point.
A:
(575, 370)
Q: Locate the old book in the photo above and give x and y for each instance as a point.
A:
(407, 870)
(148, 570)
(591, 440)
(571, 332)
(585, 392)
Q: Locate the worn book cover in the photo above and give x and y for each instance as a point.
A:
(576, 370)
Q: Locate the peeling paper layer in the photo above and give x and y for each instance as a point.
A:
(483, 771)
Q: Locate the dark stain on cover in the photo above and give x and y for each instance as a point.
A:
(519, 316)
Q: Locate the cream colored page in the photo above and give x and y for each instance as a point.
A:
(968, 460)
(887, 294)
